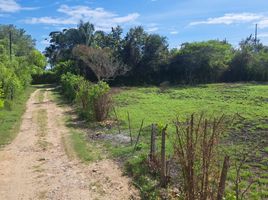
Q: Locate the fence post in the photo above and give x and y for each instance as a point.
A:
(129, 127)
(153, 146)
(163, 181)
(223, 178)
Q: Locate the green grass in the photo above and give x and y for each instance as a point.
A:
(87, 152)
(249, 101)
(10, 120)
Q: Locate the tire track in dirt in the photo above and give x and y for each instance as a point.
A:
(30, 170)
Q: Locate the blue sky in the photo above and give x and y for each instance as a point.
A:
(179, 20)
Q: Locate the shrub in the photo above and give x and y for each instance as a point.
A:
(94, 100)
(47, 77)
(101, 100)
(83, 98)
(196, 147)
(70, 84)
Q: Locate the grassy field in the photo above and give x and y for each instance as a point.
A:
(249, 102)
(10, 118)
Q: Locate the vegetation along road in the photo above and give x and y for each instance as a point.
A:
(35, 165)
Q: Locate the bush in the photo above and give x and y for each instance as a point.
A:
(94, 100)
(70, 85)
(83, 99)
(47, 77)
(101, 100)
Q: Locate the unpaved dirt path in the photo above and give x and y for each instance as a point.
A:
(35, 165)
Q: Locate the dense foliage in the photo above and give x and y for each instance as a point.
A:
(17, 63)
(143, 58)
(70, 84)
(93, 100)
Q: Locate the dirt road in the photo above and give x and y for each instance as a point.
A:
(35, 165)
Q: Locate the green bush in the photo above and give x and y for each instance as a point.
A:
(101, 100)
(11, 84)
(94, 100)
(83, 99)
(70, 85)
(47, 77)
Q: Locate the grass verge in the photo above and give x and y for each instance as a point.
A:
(75, 143)
(10, 119)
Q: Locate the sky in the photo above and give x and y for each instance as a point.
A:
(178, 20)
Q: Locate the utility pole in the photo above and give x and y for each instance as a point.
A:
(256, 33)
(10, 45)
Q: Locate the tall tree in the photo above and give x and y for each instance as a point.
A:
(101, 61)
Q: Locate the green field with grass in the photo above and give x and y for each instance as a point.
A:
(10, 118)
(250, 101)
(247, 102)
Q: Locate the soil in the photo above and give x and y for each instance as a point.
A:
(36, 166)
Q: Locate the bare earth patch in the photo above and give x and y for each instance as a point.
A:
(30, 171)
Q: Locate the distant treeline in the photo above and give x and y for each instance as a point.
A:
(143, 58)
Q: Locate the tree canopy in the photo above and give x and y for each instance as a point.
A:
(16, 68)
(149, 60)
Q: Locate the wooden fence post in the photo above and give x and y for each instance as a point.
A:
(223, 178)
(163, 181)
(153, 146)
(129, 127)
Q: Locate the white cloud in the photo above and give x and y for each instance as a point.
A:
(152, 27)
(101, 18)
(231, 18)
(174, 32)
(263, 23)
(263, 35)
(11, 6)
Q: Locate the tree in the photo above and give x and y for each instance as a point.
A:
(22, 43)
(15, 73)
(62, 42)
(37, 62)
(250, 62)
(133, 47)
(100, 61)
(201, 62)
(155, 56)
